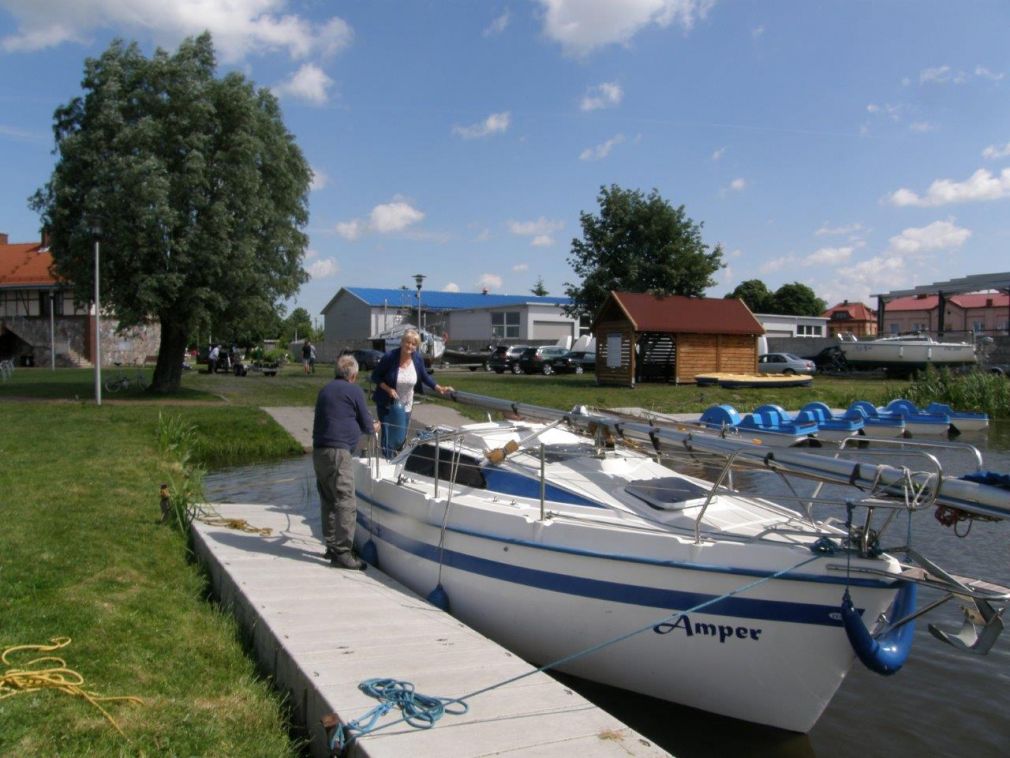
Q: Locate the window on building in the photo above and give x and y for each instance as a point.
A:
(892, 327)
(585, 326)
(808, 330)
(505, 325)
(978, 326)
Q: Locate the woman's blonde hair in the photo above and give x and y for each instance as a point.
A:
(412, 337)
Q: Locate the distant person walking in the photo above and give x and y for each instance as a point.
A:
(307, 351)
(212, 357)
(341, 417)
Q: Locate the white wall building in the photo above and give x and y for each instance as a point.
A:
(356, 314)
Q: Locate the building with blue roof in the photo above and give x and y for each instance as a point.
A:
(356, 315)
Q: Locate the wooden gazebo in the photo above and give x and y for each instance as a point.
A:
(653, 338)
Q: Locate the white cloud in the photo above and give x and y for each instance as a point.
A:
(941, 75)
(581, 26)
(241, 28)
(386, 218)
(489, 281)
(757, 31)
(319, 179)
(921, 127)
(542, 240)
(535, 228)
(496, 123)
(984, 73)
(324, 268)
(605, 95)
(350, 230)
(599, 152)
(829, 256)
(982, 185)
(738, 184)
(776, 264)
(718, 154)
(520, 267)
(450, 287)
(837, 230)
(994, 152)
(308, 83)
(394, 217)
(892, 112)
(940, 235)
(483, 235)
(497, 25)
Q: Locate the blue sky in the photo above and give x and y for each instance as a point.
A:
(853, 146)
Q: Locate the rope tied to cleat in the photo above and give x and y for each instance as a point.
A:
(49, 672)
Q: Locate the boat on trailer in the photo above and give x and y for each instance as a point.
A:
(556, 533)
(904, 354)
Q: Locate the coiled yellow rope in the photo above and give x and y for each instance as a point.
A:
(50, 672)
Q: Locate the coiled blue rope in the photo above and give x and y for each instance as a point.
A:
(418, 710)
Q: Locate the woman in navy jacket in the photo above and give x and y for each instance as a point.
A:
(396, 375)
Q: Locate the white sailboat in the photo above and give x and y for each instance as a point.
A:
(580, 532)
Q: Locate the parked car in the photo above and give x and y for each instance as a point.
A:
(785, 363)
(547, 360)
(367, 359)
(505, 358)
(586, 358)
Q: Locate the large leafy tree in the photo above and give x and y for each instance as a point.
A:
(755, 294)
(195, 188)
(797, 299)
(638, 243)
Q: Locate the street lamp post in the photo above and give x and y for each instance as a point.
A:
(98, 328)
(419, 278)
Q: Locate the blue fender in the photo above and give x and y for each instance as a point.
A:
(887, 654)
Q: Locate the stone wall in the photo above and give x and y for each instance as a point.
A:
(70, 338)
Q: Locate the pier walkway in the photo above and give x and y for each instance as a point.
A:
(319, 632)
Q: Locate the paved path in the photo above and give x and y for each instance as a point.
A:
(320, 631)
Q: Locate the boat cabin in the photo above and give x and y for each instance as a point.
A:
(652, 338)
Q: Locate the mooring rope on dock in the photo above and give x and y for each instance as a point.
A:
(422, 711)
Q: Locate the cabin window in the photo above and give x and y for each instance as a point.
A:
(421, 461)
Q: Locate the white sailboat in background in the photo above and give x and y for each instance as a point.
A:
(906, 353)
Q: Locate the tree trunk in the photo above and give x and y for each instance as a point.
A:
(168, 370)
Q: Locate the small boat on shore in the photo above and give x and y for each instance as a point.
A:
(916, 422)
(590, 544)
(905, 354)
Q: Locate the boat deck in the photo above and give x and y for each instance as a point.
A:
(319, 632)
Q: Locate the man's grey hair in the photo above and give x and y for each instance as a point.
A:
(347, 366)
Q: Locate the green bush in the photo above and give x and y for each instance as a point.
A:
(974, 391)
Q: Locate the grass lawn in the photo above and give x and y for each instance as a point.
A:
(84, 557)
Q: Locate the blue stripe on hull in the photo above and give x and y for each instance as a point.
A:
(650, 597)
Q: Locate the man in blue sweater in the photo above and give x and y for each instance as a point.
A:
(341, 418)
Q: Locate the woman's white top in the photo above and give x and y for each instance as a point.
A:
(406, 378)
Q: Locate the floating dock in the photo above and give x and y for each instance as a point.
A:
(320, 631)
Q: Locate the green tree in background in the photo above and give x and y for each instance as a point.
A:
(797, 299)
(755, 294)
(195, 188)
(539, 289)
(638, 243)
(298, 326)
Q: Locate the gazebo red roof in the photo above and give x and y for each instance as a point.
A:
(685, 315)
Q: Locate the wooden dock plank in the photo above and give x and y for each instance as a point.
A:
(320, 632)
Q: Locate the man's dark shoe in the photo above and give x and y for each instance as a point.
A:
(329, 554)
(347, 561)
